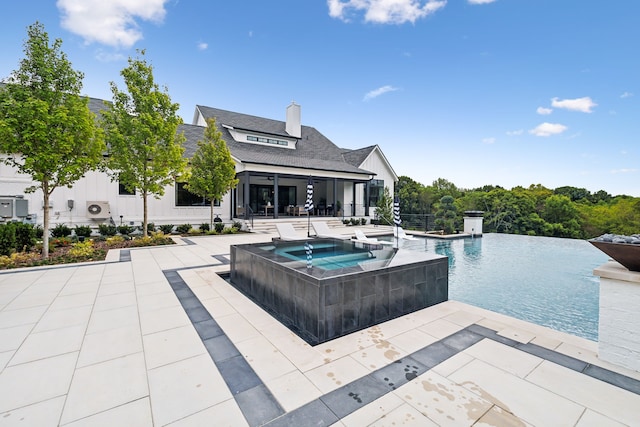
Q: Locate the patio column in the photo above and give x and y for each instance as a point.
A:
(245, 195)
(275, 196)
(366, 198)
(335, 196)
(353, 200)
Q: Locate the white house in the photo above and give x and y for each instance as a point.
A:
(274, 160)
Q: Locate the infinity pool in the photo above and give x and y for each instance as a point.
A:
(543, 280)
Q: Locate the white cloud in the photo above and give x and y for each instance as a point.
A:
(544, 111)
(481, 1)
(626, 95)
(103, 56)
(385, 11)
(380, 91)
(489, 140)
(203, 46)
(583, 105)
(111, 22)
(617, 171)
(548, 129)
(515, 132)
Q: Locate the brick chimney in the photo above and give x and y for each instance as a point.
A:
(293, 126)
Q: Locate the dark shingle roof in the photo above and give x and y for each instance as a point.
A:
(357, 157)
(193, 134)
(97, 105)
(313, 150)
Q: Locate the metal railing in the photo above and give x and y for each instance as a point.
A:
(424, 222)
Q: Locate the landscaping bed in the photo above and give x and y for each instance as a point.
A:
(66, 250)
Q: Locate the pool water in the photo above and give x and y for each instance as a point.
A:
(543, 280)
(331, 254)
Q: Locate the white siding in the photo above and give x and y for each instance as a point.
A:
(378, 164)
(97, 186)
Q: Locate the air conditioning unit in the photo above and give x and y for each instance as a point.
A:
(98, 210)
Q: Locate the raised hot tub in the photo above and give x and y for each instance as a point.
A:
(325, 288)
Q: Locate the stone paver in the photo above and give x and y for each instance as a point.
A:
(107, 344)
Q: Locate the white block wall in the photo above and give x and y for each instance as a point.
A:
(619, 325)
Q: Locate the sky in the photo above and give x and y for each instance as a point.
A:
(478, 92)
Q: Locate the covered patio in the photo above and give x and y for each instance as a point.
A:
(274, 195)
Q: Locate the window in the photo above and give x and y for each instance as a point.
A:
(185, 198)
(376, 190)
(122, 190)
(267, 140)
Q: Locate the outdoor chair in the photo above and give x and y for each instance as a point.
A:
(322, 230)
(287, 232)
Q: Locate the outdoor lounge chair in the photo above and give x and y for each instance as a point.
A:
(322, 230)
(287, 232)
(399, 232)
(361, 237)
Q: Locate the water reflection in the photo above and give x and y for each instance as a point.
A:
(544, 280)
(473, 248)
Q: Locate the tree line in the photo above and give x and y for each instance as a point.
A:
(536, 210)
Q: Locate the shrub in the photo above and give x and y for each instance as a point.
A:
(219, 226)
(156, 238)
(114, 240)
(183, 228)
(204, 227)
(39, 232)
(83, 230)
(107, 230)
(60, 230)
(354, 221)
(125, 229)
(19, 259)
(7, 239)
(346, 221)
(237, 225)
(229, 230)
(82, 250)
(363, 221)
(5, 261)
(60, 241)
(151, 227)
(25, 236)
(167, 228)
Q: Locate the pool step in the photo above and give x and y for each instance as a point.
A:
(269, 225)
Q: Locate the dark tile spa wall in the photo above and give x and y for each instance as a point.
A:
(321, 309)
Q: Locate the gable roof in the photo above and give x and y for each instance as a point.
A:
(313, 150)
(358, 156)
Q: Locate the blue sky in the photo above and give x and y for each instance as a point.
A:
(479, 92)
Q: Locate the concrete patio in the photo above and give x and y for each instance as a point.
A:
(154, 337)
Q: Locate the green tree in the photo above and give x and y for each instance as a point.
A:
(573, 193)
(384, 208)
(563, 217)
(442, 188)
(446, 214)
(46, 127)
(414, 197)
(213, 171)
(141, 128)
